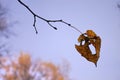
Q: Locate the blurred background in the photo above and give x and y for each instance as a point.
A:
(101, 16)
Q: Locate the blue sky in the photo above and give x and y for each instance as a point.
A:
(102, 16)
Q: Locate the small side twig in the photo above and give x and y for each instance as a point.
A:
(48, 21)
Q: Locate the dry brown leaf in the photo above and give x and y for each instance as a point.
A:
(89, 38)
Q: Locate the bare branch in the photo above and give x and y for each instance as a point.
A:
(48, 21)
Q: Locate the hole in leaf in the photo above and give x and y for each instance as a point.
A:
(92, 49)
(83, 42)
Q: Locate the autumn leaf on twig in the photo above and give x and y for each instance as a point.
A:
(89, 38)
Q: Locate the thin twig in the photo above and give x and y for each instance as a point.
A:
(48, 21)
(34, 24)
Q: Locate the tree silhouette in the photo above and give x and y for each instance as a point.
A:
(118, 5)
(4, 29)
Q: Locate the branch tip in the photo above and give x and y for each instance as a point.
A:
(55, 28)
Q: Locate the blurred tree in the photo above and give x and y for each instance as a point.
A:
(4, 29)
(23, 68)
(118, 5)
